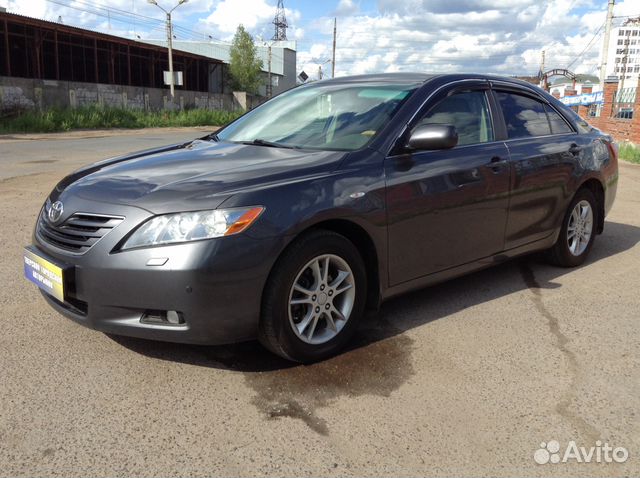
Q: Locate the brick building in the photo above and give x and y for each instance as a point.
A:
(615, 110)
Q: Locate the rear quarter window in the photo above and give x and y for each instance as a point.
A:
(557, 122)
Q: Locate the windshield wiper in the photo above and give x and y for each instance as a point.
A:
(271, 144)
(212, 137)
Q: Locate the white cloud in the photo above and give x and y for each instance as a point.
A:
(228, 14)
(346, 7)
(255, 15)
(32, 8)
(470, 35)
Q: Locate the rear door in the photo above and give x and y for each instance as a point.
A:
(542, 151)
(448, 207)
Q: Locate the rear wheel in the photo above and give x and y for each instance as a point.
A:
(314, 298)
(578, 231)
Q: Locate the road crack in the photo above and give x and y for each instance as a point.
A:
(563, 407)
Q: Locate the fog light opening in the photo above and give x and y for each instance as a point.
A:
(162, 317)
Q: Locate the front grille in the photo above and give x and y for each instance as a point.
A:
(78, 233)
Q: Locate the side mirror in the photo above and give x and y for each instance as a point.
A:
(433, 136)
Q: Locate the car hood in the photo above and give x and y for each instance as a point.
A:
(191, 176)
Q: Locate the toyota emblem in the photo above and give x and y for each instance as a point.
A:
(55, 211)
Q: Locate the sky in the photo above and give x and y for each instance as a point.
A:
(485, 36)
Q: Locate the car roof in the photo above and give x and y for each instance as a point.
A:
(390, 78)
(419, 78)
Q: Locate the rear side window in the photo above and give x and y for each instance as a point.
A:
(524, 116)
(558, 124)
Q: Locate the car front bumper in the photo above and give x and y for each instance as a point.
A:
(214, 285)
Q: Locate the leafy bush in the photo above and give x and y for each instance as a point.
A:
(630, 152)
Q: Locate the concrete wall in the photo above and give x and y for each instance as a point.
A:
(24, 93)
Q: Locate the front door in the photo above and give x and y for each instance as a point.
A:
(448, 207)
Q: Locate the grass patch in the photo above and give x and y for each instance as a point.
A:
(98, 117)
(630, 152)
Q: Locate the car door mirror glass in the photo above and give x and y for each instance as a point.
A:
(433, 136)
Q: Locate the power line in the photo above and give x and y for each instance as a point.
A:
(125, 17)
(596, 35)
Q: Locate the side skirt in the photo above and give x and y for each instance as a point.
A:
(464, 269)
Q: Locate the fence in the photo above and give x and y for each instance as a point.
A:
(623, 103)
(25, 93)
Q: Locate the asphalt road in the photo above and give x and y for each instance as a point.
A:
(465, 378)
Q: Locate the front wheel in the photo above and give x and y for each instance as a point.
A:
(578, 231)
(314, 298)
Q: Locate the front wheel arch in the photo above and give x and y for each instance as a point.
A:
(275, 329)
(365, 245)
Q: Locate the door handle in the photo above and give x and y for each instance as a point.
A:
(575, 149)
(497, 163)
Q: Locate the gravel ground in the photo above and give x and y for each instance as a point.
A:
(465, 378)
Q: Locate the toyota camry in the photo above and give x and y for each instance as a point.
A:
(289, 223)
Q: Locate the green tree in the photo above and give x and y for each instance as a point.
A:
(245, 67)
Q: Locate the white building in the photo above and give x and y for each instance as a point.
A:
(623, 59)
(283, 58)
(560, 88)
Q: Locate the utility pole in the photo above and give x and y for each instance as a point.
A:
(170, 47)
(605, 47)
(169, 43)
(269, 83)
(544, 78)
(333, 57)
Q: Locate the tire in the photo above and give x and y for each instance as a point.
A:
(567, 252)
(309, 314)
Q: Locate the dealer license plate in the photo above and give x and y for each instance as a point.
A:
(46, 275)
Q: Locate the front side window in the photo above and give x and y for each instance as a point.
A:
(524, 116)
(558, 124)
(468, 112)
(341, 117)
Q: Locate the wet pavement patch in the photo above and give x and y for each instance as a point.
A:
(377, 363)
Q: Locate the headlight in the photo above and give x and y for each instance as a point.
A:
(192, 226)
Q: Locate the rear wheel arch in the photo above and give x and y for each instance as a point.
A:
(596, 188)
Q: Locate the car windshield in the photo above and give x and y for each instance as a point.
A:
(341, 117)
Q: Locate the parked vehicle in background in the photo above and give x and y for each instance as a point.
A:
(328, 199)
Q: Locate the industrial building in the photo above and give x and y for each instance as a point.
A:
(45, 50)
(45, 64)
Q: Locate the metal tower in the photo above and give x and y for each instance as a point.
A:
(280, 22)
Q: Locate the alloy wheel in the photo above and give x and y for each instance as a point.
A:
(580, 228)
(321, 299)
